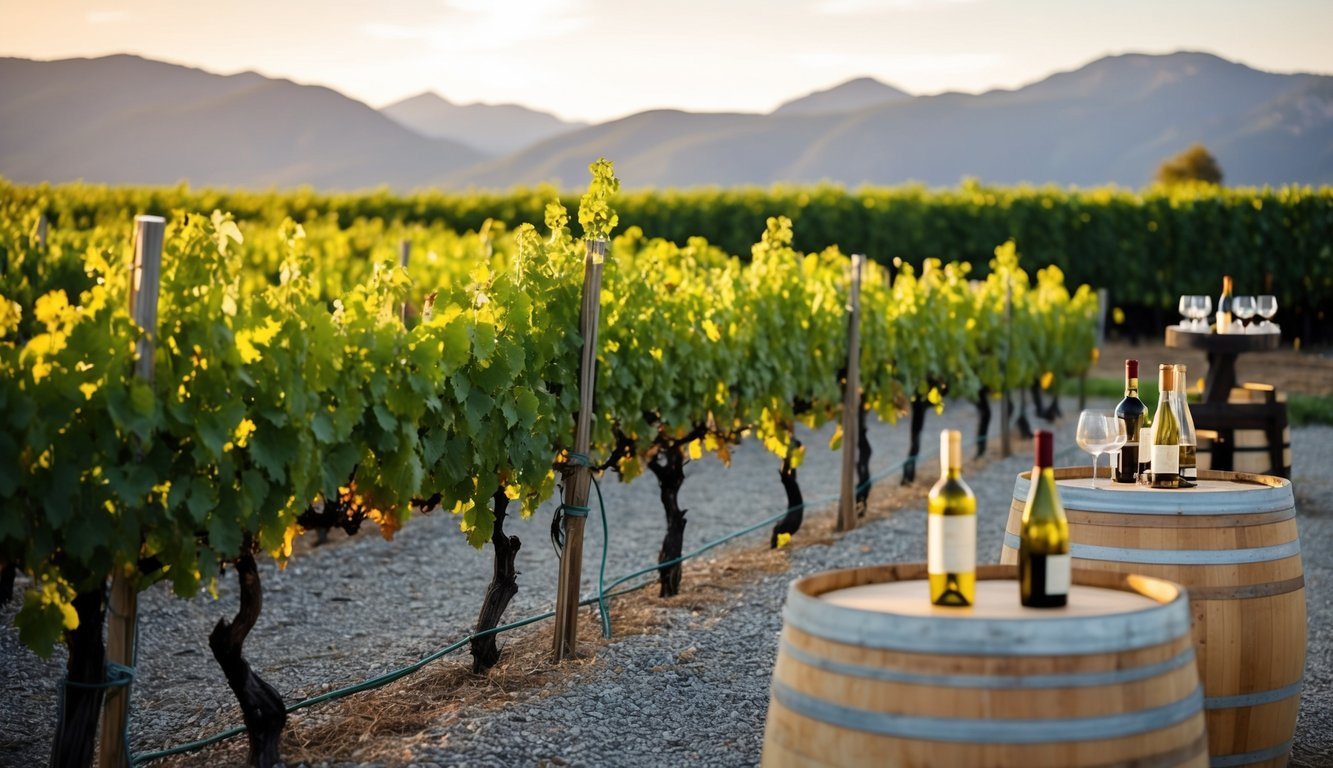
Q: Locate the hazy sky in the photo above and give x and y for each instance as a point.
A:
(598, 59)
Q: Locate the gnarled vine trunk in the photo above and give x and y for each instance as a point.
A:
(76, 730)
(919, 406)
(1045, 412)
(1024, 426)
(795, 502)
(863, 451)
(983, 420)
(261, 706)
(669, 467)
(503, 587)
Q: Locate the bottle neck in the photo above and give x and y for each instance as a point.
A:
(1131, 386)
(953, 473)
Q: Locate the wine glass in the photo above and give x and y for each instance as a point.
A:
(1203, 306)
(1094, 435)
(1119, 436)
(1186, 308)
(1243, 307)
(1266, 306)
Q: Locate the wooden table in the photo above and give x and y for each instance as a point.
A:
(1215, 412)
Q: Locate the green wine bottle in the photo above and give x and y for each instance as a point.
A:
(1043, 549)
(951, 530)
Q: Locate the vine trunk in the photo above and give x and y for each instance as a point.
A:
(261, 706)
(503, 587)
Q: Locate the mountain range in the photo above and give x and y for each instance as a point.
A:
(127, 120)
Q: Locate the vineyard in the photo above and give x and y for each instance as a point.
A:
(1144, 247)
(328, 372)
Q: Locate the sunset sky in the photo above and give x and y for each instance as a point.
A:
(600, 59)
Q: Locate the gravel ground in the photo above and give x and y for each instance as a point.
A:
(693, 690)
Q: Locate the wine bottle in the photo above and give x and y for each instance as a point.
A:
(1224, 306)
(1145, 450)
(1043, 548)
(1189, 471)
(951, 531)
(1132, 411)
(1165, 433)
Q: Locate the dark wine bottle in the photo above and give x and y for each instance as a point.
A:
(1043, 547)
(1132, 411)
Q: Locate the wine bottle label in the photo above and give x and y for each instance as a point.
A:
(1166, 459)
(951, 543)
(1127, 462)
(1058, 574)
(1189, 473)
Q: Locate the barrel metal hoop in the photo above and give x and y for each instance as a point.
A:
(1254, 699)
(1061, 636)
(1155, 502)
(1250, 758)
(1247, 591)
(1177, 556)
(999, 731)
(1071, 680)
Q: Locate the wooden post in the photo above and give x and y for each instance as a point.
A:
(579, 479)
(123, 604)
(1006, 450)
(41, 231)
(851, 403)
(404, 250)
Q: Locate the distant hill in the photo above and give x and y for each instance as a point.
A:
(852, 95)
(123, 119)
(1111, 121)
(495, 129)
(127, 120)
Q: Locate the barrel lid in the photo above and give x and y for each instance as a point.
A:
(837, 606)
(1218, 493)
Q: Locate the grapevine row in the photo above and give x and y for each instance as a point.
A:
(289, 393)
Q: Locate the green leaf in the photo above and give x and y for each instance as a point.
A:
(273, 450)
(203, 500)
(46, 613)
(224, 535)
(322, 426)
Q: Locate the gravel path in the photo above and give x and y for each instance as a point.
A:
(693, 690)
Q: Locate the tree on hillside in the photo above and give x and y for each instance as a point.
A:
(1194, 164)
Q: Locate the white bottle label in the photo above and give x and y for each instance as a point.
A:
(1057, 574)
(1166, 459)
(951, 543)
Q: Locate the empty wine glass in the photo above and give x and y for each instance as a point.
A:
(1203, 307)
(1095, 434)
(1266, 306)
(1119, 436)
(1186, 308)
(1243, 308)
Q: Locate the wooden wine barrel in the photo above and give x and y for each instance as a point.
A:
(1232, 544)
(869, 673)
